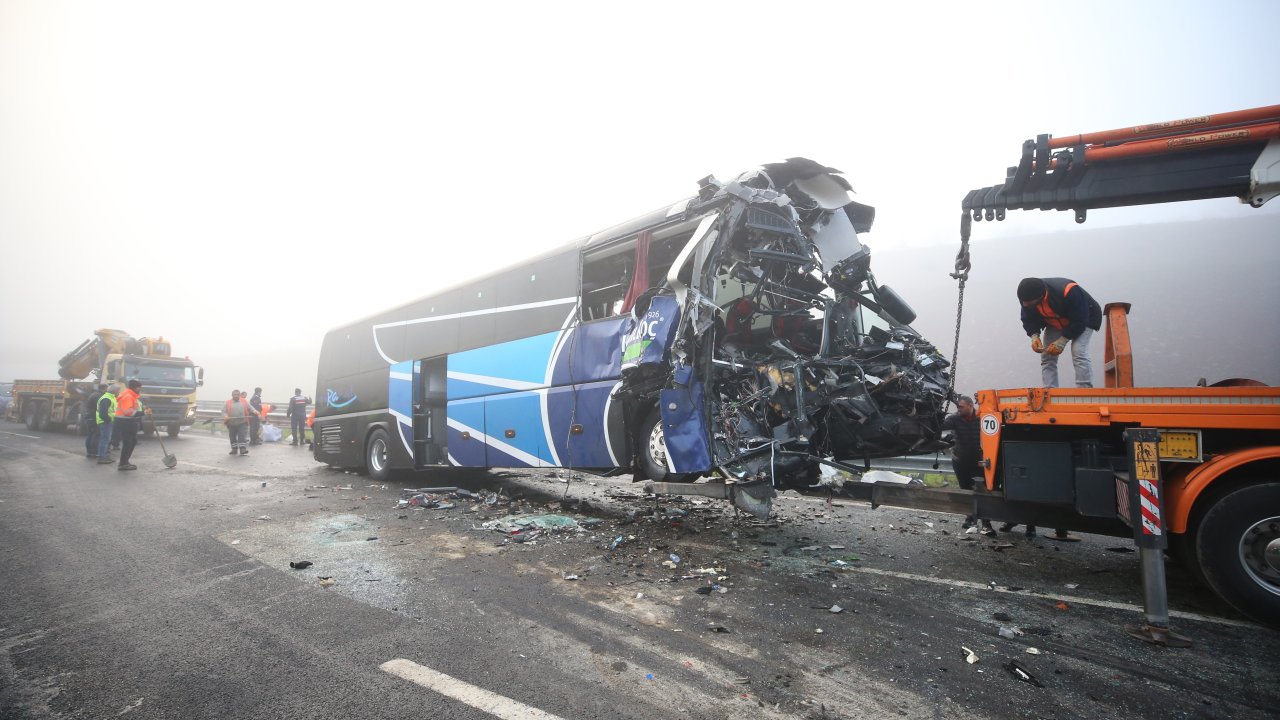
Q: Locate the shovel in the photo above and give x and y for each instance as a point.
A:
(170, 461)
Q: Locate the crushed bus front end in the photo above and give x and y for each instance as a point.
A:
(769, 349)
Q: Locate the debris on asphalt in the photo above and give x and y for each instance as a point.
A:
(1121, 549)
(1072, 586)
(300, 564)
(1002, 617)
(326, 582)
(235, 542)
(570, 576)
(1019, 672)
(516, 523)
(263, 517)
(969, 656)
(617, 542)
(719, 629)
(1033, 651)
(836, 609)
(1009, 633)
(1062, 606)
(674, 558)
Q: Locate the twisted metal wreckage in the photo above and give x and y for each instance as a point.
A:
(770, 348)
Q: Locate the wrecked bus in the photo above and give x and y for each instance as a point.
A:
(739, 333)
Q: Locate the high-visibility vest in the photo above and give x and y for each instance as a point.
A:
(128, 405)
(110, 412)
(1051, 318)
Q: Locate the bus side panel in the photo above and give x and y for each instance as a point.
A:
(466, 432)
(602, 441)
(503, 368)
(401, 382)
(592, 352)
(514, 426)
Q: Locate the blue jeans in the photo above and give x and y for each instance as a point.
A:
(1079, 358)
(104, 439)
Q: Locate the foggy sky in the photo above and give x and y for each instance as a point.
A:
(240, 177)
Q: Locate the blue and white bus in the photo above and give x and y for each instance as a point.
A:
(739, 332)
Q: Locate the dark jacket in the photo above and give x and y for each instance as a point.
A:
(1076, 305)
(91, 406)
(967, 434)
(298, 407)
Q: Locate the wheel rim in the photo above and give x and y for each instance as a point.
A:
(658, 445)
(378, 455)
(1260, 553)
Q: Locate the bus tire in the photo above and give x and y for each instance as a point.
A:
(1238, 547)
(653, 451)
(377, 450)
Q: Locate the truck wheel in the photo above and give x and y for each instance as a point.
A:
(376, 456)
(1238, 545)
(653, 451)
(173, 430)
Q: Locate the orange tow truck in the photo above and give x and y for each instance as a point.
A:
(1195, 470)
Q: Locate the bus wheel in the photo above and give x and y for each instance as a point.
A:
(653, 451)
(375, 456)
(1238, 546)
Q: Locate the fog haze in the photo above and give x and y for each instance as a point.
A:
(240, 177)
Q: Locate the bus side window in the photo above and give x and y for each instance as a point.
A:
(604, 285)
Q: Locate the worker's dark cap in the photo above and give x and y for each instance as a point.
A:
(135, 384)
(964, 399)
(297, 391)
(1030, 289)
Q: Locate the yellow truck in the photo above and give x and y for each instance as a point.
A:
(168, 383)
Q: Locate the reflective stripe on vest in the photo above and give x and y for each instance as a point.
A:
(1051, 318)
(111, 412)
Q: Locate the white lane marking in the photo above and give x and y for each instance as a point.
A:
(1054, 596)
(478, 698)
(32, 437)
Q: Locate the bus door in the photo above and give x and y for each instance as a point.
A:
(429, 412)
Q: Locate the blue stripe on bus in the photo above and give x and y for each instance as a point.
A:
(524, 360)
(460, 389)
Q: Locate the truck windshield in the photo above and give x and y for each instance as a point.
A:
(160, 373)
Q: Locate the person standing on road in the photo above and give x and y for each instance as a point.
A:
(297, 413)
(966, 453)
(235, 415)
(90, 415)
(104, 416)
(1066, 314)
(129, 411)
(255, 420)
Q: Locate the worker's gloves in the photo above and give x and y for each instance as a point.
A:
(1057, 346)
(1037, 345)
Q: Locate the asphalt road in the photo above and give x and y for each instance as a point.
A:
(168, 594)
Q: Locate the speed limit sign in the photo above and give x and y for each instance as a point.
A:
(990, 424)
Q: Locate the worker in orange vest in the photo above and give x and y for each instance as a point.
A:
(129, 413)
(1066, 314)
